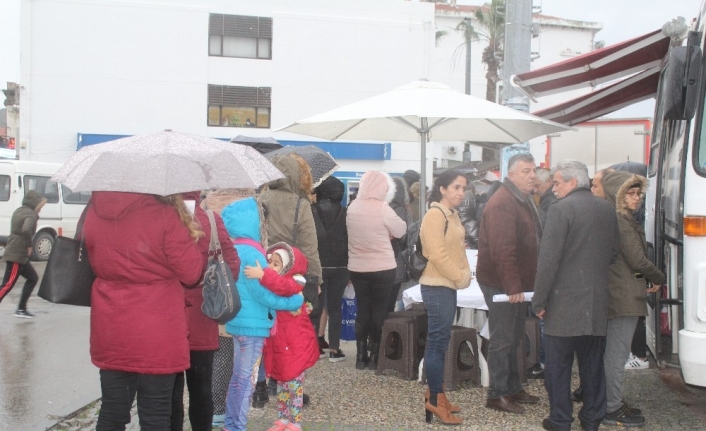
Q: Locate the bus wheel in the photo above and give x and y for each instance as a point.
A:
(42, 246)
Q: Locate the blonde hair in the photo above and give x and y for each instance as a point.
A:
(306, 183)
(177, 201)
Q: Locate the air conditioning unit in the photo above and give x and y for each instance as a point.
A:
(451, 150)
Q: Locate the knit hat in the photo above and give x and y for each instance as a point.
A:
(282, 253)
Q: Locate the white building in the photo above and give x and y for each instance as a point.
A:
(94, 69)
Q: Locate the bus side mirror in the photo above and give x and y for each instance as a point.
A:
(681, 82)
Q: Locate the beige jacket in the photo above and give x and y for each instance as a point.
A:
(448, 265)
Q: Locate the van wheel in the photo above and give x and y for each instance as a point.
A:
(41, 248)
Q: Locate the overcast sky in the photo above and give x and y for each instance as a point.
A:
(621, 19)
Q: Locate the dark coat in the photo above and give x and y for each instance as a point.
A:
(330, 222)
(468, 212)
(23, 226)
(545, 201)
(579, 242)
(141, 254)
(626, 293)
(400, 204)
(508, 241)
(203, 331)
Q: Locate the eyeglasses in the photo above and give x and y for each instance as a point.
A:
(635, 194)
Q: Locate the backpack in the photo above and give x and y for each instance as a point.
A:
(413, 254)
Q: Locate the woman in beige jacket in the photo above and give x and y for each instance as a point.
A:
(447, 270)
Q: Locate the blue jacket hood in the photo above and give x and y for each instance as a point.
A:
(242, 219)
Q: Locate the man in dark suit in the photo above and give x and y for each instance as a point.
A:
(580, 241)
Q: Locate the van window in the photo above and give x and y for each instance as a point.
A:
(44, 186)
(4, 188)
(74, 198)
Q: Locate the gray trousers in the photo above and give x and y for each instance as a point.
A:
(617, 351)
(507, 328)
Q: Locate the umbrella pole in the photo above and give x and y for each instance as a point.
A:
(423, 132)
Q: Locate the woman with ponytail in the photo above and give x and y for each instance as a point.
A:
(142, 250)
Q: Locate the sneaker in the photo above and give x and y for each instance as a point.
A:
(306, 400)
(536, 372)
(337, 356)
(624, 417)
(634, 411)
(218, 421)
(635, 363)
(24, 314)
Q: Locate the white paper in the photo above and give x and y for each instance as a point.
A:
(504, 298)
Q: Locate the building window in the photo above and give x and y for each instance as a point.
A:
(240, 36)
(239, 106)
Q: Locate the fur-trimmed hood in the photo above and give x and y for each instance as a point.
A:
(401, 191)
(616, 184)
(297, 261)
(376, 185)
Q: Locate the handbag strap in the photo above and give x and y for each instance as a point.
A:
(419, 237)
(214, 247)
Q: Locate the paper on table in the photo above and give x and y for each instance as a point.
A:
(504, 298)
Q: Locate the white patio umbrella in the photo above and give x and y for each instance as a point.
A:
(422, 110)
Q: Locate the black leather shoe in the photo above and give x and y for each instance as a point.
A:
(523, 397)
(504, 404)
(536, 372)
(577, 395)
(549, 426)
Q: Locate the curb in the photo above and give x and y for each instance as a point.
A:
(54, 418)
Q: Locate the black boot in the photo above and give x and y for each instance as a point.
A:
(361, 357)
(272, 387)
(373, 362)
(260, 397)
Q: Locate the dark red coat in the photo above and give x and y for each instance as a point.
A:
(141, 254)
(292, 347)
(203, 331)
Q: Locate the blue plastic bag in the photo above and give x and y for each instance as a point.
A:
(348, 311)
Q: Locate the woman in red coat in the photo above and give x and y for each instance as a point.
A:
(142, 248)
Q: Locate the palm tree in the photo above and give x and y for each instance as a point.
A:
(491, 18)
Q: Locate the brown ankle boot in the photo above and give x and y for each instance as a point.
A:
(452, 407)
(441, 411)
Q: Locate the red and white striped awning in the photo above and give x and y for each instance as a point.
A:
(631, 90)
(596, 67)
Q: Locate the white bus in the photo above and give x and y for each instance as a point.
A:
(676, 208)
(58, 217)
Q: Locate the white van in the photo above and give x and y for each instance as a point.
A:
(58, 217)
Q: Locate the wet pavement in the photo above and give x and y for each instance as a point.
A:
(45, 368)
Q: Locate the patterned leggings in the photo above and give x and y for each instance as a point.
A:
(290, 399)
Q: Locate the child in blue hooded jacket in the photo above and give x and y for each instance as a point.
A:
(257, 315)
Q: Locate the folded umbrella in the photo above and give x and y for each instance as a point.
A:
(165, 163)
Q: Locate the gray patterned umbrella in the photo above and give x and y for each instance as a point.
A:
(321, 163)
(165, 163)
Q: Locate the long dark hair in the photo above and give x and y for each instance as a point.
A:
(444, 180)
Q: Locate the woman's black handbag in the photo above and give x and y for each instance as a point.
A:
(68, 277)
(413, 255)
(221, 301)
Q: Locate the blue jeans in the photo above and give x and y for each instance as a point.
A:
(440, 303)
(247, 352)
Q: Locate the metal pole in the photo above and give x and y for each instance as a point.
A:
(423, 180)
(468, 55)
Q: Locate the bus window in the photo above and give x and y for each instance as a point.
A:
(4, 188)
(80, 198)
(44, 186)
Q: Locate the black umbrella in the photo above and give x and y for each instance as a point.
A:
(262, 145)
(632, 167)
(321, 163)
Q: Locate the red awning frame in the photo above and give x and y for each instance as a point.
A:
(596, 67)
(636, 88)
